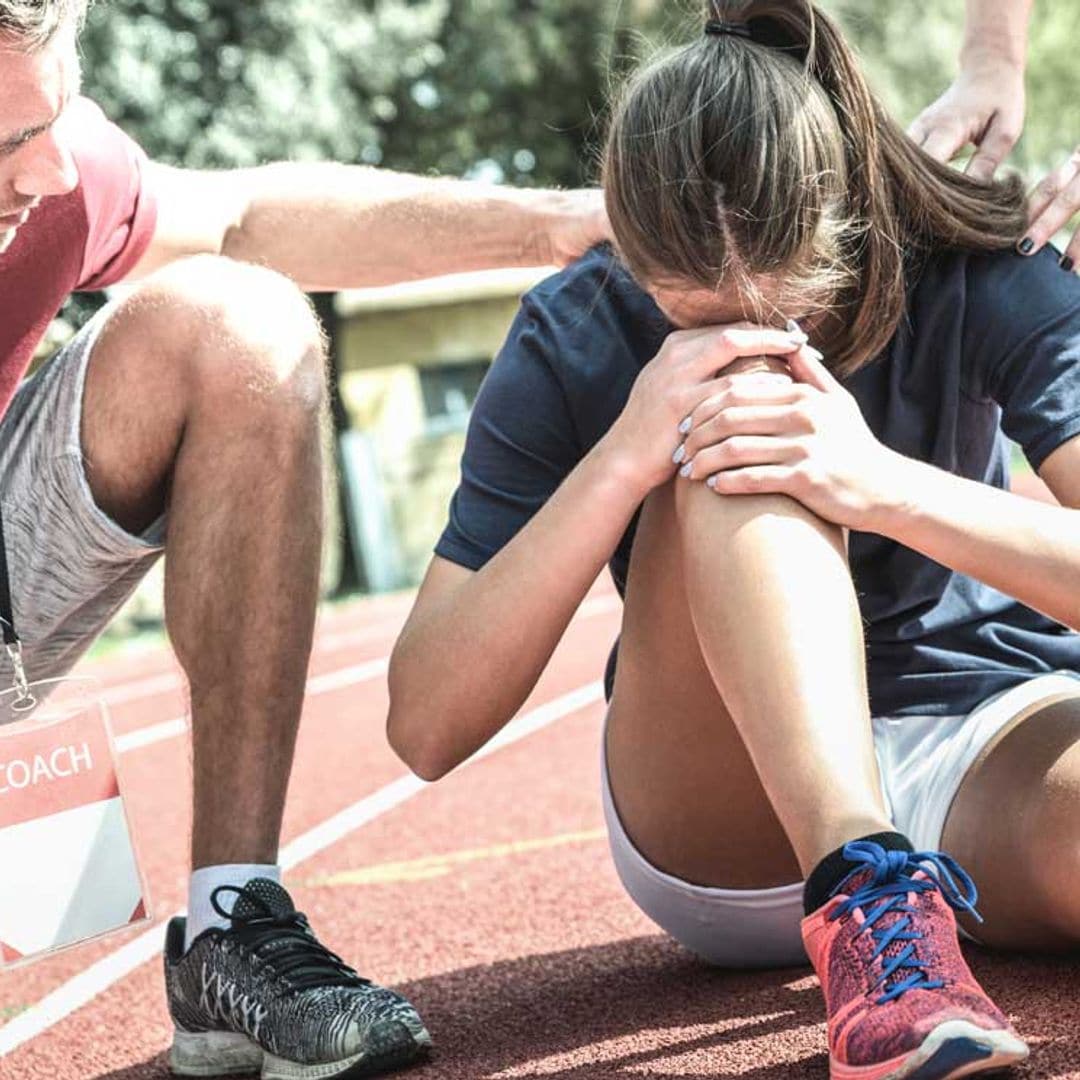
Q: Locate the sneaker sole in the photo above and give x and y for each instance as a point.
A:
(224, 1053)
(953, 1049)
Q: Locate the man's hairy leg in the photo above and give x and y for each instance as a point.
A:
(204, 397)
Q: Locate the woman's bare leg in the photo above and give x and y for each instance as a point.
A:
(739, 741)
(1015, 826)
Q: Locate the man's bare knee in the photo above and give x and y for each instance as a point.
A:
(237, 334)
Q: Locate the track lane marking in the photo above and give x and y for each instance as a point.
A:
(90, 983)
(164, 684)
(319, 684)
(152, 686)
(432, 866)
(147, 736)
(124, 693)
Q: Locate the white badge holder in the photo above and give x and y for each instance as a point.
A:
(69, 872)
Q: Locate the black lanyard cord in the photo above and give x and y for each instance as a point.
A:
(24, 699)
(7, 614)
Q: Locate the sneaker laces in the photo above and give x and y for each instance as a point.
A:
(296, 954)
(891, 880)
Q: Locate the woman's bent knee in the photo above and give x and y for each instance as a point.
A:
(749, 524)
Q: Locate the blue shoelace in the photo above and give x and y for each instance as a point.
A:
(890, 884)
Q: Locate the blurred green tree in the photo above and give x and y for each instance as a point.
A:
(507, 89)
(910, 49)
(517, 93)
(211, 83)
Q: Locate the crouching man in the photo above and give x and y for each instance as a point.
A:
(186, 420)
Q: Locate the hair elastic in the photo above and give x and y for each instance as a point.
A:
(718, 27)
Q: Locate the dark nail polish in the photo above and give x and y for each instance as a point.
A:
(1026, 245)
(1066, 263)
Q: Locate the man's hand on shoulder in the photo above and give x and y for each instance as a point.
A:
(579, 221)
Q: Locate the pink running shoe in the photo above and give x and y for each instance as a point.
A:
(901, 1000)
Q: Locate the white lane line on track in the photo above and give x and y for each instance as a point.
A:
(317, 684)
(156, 685)
(155, 733)
(142, 688)
(81, 989)
(332, 641)
(335, 680)
(320, 684)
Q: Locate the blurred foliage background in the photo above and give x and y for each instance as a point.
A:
(511, 90)
(505, 90)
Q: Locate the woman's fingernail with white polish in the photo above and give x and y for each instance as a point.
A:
(711, 482)
(679, 454)
(817, 354)
(687, 469)
(796, 332)
(684, 427)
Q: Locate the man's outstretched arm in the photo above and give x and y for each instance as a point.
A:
(330, 226)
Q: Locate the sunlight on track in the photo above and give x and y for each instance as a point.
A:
(660, 1052)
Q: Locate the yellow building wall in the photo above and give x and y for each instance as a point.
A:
(380, 355)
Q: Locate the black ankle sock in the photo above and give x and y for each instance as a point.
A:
(834, 868)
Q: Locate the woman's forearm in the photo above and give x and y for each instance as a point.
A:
(466, 662)
(1026, 549)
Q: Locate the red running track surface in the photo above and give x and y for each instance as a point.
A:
(488, 899)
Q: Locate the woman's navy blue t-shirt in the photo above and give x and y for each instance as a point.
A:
(989, 344)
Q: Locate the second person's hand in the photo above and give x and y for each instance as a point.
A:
(1053, 204)
(983, 107)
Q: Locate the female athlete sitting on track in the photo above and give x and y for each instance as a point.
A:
(845, 643)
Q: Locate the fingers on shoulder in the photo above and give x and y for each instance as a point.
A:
(1055, 200)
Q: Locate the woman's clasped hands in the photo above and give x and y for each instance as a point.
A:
(754, 410)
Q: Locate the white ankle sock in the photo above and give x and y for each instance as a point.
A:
(201, 914)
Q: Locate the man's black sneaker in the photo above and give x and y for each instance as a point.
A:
(265, 995)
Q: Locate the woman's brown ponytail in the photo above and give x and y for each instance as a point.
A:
(762, 152)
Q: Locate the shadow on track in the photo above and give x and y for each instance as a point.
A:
(640, 1007)
(644, 1007)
